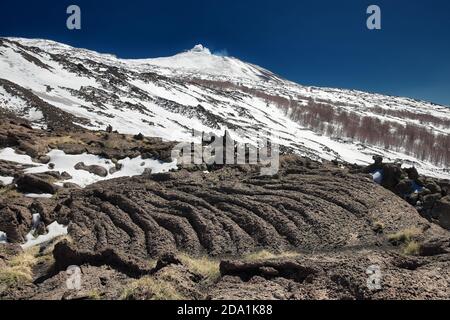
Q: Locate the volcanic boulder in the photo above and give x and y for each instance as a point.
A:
(95, 169)
(29, 183)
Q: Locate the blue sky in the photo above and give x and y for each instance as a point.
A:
(323, 43)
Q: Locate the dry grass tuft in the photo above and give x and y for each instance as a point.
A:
(63, 140)
(10, 192)
(405, 235)
(265, 255)
(412, 248)
(205, 266)
(378, 226)
(148, 288)
(19, 270)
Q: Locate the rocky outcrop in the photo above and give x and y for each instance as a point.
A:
(15, 219)
(431, 197)
(441, 211)
(16, 215)
(435, 246)
(268, 269)
(70, 185)
(94, 169)
(65, 255)
(32, 184)
(18, 134)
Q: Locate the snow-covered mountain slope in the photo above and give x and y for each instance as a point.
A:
(51, 84)
(200, 60)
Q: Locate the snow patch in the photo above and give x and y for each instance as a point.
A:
(416, 187)
(6, 180)
(9, 154)
(378, 176)
(34, 115)
(38, 195)
(35, 220)
(3, 237)
(54, 230)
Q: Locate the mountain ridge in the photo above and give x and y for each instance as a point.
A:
(40, 42)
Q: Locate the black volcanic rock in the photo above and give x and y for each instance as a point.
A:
(95, 169)
(441, 211)
(32, 184)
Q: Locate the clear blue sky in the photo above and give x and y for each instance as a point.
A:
(323, 43)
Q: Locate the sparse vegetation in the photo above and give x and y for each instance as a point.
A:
(9, 192)
(148, 288)
(48, 251)
(112, 144)
(94, 295)
(63, 140)
(421, 117)
(405, 235)
(378, 226)
(18, 270)
(264, 254)
(207, 267)
(412, 248)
